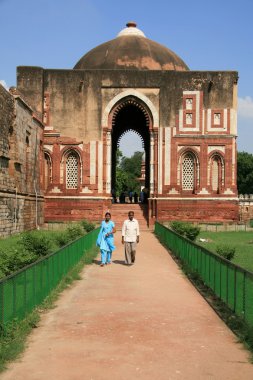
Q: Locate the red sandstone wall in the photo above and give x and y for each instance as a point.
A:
(197, 211)
(58, 210)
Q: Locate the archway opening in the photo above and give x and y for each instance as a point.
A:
(131, 118)
(130, 142)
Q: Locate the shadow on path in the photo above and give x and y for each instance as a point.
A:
(96, 262)
(121, 262)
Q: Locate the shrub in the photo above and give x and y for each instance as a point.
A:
(191, 232)
(178, 227)
(87, 226)
(13, 260)
(38, 244)
(74, 231)
(62, 238)
(226, 251)
(185, 229)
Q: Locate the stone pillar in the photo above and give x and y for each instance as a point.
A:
(151, 164)
(167, 158)
(100, 167)
(155, 163)
(108, 161)
(160, 161)
(93, 158)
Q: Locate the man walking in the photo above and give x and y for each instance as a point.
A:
(130, 237)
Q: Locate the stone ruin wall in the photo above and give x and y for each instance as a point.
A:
(21, 137)
(246, 207)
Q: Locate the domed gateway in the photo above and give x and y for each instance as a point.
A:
(131, 50)
(186, 120)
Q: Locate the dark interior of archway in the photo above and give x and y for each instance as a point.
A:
(129, 118)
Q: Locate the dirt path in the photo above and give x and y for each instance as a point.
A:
(140, 322)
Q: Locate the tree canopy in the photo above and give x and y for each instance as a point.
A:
(245, 173)
(128, 170)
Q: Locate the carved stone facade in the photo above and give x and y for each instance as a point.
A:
(186, 120)
(21, 149)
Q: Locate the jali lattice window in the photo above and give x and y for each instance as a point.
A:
(188, 172)
(72, 171)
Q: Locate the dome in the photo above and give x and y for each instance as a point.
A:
(131, 50)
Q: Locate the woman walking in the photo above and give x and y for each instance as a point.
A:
(105, 240)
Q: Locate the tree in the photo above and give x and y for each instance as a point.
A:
(119, 156)
(128, 170)
(245, 173)
(132, 165)
(121, 181)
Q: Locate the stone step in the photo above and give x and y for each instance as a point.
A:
(120, 211)
(125, 215)
(119, 222)
(129, 206)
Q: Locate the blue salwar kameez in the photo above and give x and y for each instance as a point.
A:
(106, 243)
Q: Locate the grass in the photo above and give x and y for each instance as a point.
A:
(13, 336)
(13, 241)
(241, 240)
(16, 252)
(9, 242)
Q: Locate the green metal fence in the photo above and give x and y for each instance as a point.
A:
(27, 288)
(231, 283)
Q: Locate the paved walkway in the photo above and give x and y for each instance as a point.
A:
(141, 322)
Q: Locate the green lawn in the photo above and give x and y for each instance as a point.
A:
(242, 241)
(13, 241)
(18, 251)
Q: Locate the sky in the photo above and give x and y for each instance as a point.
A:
(207, 35)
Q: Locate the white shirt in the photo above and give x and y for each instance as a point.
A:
(130, 230)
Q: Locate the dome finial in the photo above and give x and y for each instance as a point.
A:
(131, 30)
(131, 24)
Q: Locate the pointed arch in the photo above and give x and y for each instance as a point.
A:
(188, 170)
(71, 169)
(134, 131)
(134, 94)
(216, 170)
(129, 114)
